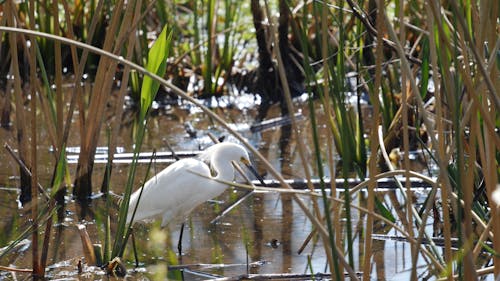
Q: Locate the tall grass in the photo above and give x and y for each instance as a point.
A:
(440, 60)
(394, 53)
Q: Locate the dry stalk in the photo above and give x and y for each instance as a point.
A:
(88, 247)
(93, 122)
(421, 221)
(123, 88)
(19, 102)
(100, 94)
(58, 76)
(441, 147)
(406, 95)
(336, 211)
(374, 146)
(302, 148)
(78, 69)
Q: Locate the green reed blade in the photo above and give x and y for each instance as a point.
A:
(425, 68)
(60, 173)
(382, 209)
(157, 63)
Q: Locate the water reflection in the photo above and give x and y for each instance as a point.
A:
(286, 199)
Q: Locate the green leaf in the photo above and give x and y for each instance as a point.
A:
(60, 172)
(425, 68)
(157, 64)
(490, 249)
(383, 210)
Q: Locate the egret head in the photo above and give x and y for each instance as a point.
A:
(228, 152)
(225, 152)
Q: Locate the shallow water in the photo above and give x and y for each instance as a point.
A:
(261, 235)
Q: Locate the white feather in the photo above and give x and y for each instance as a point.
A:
(179, 188)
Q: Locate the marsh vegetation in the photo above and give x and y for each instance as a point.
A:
(375, 124)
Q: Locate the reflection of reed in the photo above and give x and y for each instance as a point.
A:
(286, 231)
(286, 199)
(258, 222)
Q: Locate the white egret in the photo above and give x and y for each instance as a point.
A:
(178, 189)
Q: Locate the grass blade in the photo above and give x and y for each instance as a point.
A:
(157, 63)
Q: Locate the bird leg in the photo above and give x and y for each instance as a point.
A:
(135, 249)
(179, 244)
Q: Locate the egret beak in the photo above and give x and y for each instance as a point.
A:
(253, 170)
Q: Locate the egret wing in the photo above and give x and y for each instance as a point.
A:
(169, 191)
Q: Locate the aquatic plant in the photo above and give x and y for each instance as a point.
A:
(421, 75)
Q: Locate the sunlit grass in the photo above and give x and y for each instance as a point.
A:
(393, 54)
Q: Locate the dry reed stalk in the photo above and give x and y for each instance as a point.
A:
(403, 217)
(88, 247)
(78, 70)
(446, 81)
(441, 147)
(406, 95)
(374, 146)
(482, 238)
(430, 127)
(6, 107)
(131, 44)
(58, 75)
(468, 176)
(100, 95)
(19, 102)
(45, 110)
(336, 214)
(491, 180)
(100, 92)
(486, 33)
(81, 66)
(26, 180)
(38, 264)
(301, 148)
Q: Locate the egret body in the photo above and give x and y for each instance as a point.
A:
(179, 188)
